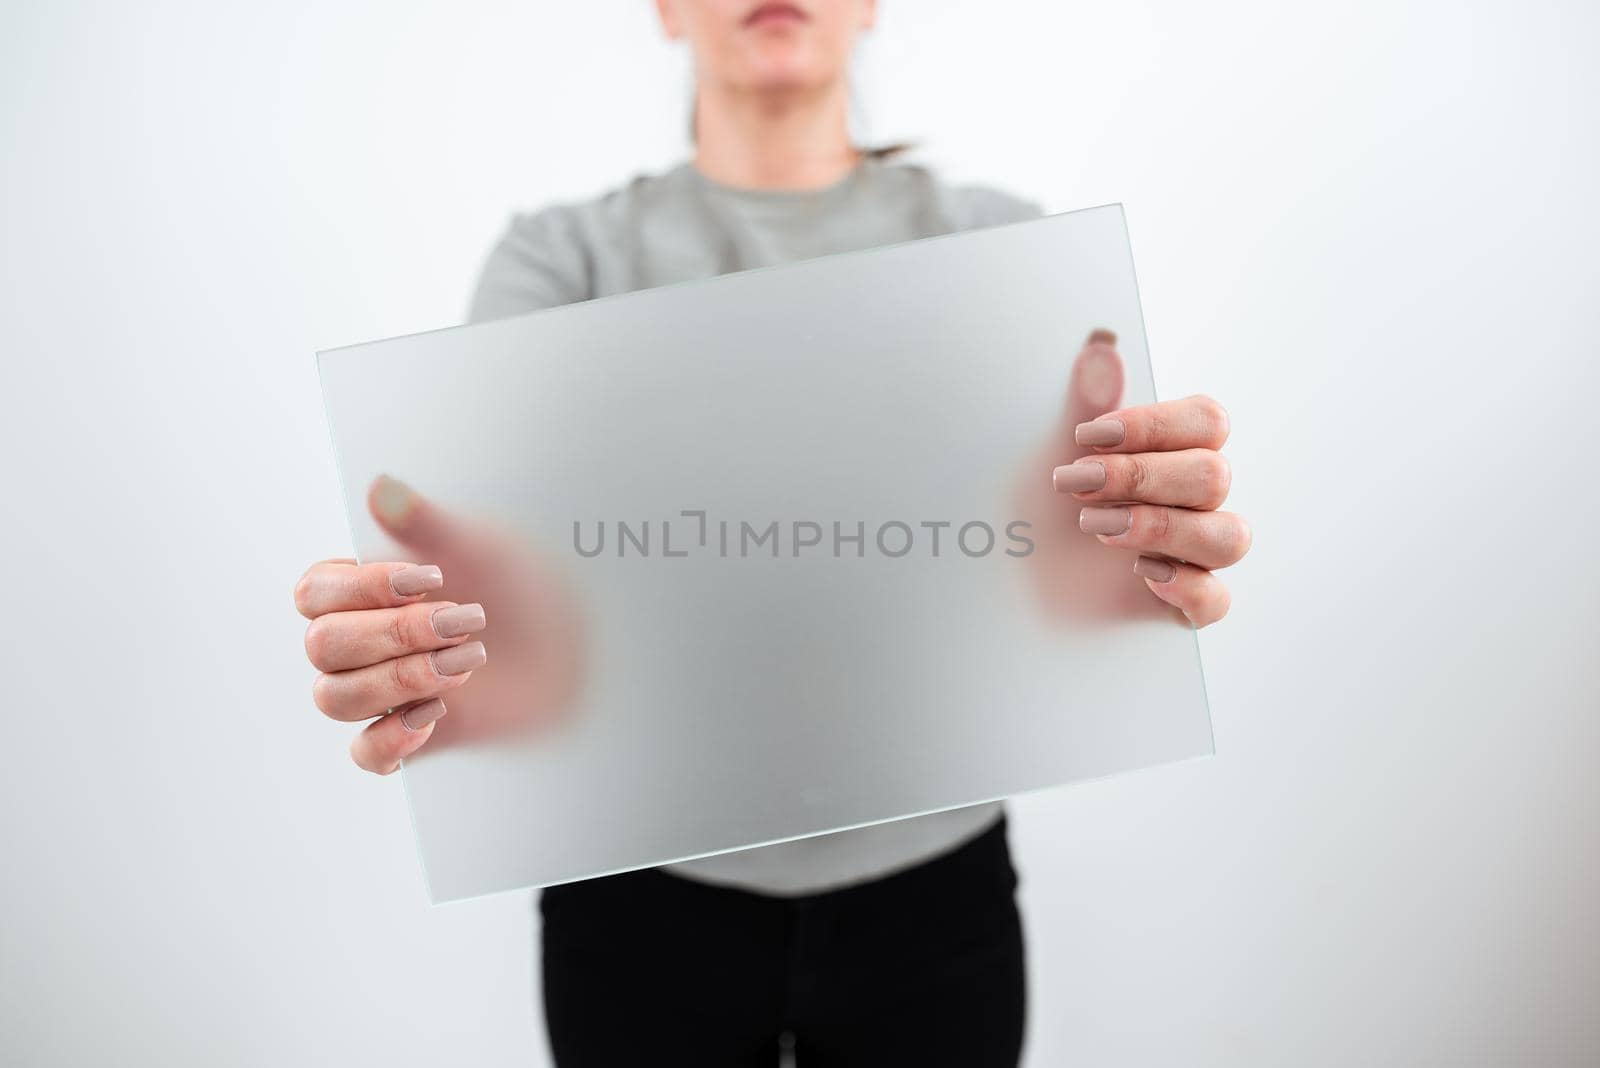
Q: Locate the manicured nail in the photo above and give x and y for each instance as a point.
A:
(417, 717)
(392, 498)
(1080, 477)
(410, 581)
(1101, 432)
(461, 659)
(1153, 569)
(457, 620)
(1102, 336)
(1115, 520)
(1099, 379)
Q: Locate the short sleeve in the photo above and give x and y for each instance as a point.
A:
(539, 262)
(980, 206)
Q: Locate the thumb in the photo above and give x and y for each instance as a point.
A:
(411, 518)
(1097, 381)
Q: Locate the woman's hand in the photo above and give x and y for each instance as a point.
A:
(385, 652)
(1151, 480)
(388, 654)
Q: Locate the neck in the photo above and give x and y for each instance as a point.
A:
(793, 139)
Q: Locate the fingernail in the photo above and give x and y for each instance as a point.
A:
(461, 659)
(410, 581)
(1153, 569)
(1099, 379)
(1080, 477)
(457, 620)
(1114, 520)
(417, 717)
(392, 498)
(1101, 432)
(1102, 336)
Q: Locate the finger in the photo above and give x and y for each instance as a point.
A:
(1198, 593)
(1096, 383)
(1209, 539)
(1196, 422)
(370, 691)
(411, 518)
(345, 586)
(340, 641)
(1193, 478)
(384, 742)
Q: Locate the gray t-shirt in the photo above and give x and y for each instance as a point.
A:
(679, 226)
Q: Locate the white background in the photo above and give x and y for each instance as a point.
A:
(1368, 228)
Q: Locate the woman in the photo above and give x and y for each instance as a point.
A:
(893, 944)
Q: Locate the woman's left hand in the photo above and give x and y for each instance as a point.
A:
(1152, 480)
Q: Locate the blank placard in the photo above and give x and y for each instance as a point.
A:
(767, 555)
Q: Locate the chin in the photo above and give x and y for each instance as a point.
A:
(784, 66)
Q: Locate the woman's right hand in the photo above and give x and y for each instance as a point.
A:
(385, 653)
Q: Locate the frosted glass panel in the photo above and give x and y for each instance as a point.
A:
(768, 555)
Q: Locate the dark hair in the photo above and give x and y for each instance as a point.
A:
(888, 151)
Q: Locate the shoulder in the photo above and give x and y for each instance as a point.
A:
(585, 221)
(967, 205)
(987, 206)
(551, 255)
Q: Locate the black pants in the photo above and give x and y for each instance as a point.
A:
(921, 967)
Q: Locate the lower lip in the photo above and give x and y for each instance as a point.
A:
(776, 17)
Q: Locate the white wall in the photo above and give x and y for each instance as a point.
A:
(1367, 227)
